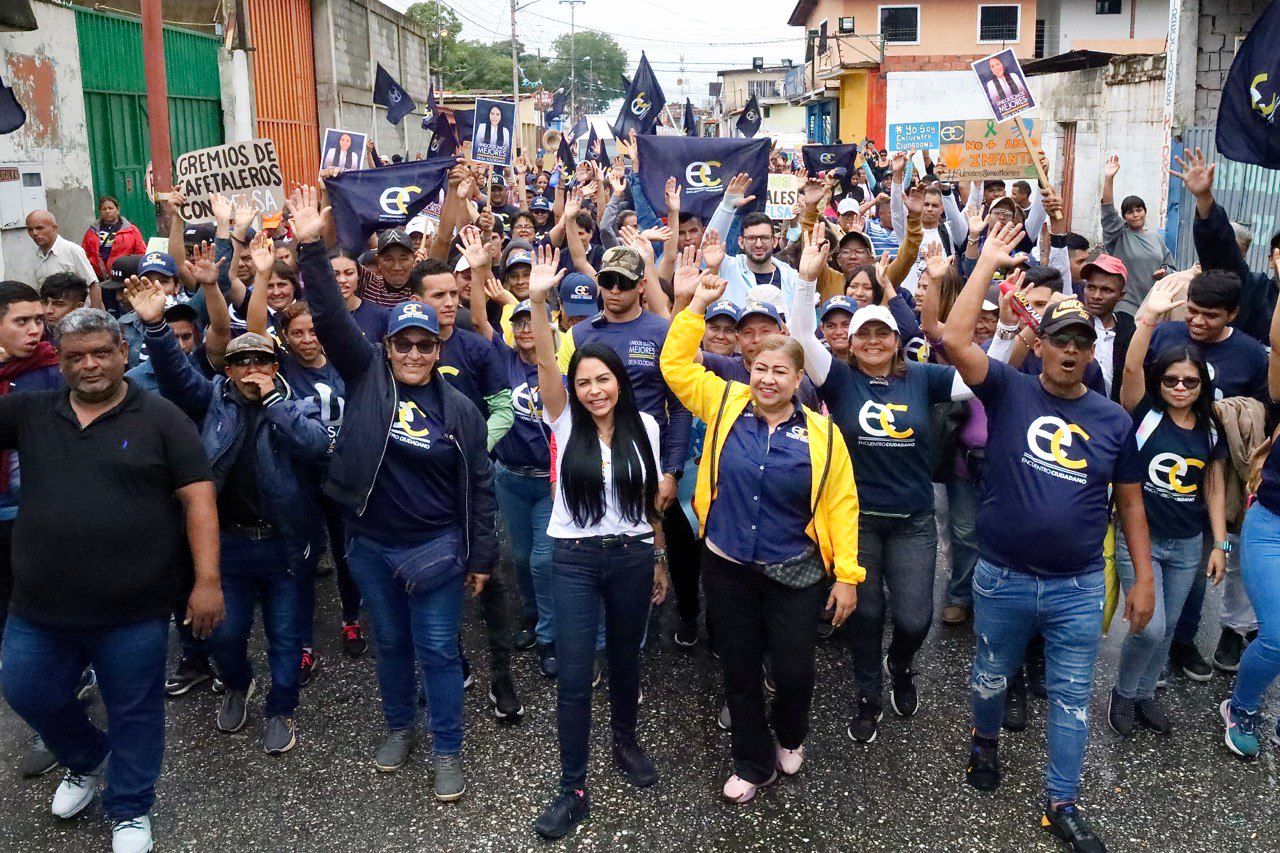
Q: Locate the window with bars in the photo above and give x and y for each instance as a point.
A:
(900, 24)
(762, 88)
(1108, 7)
(998, 23)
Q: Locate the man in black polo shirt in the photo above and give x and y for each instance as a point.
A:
(118, 513)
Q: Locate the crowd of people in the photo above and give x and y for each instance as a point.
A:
(552, 400)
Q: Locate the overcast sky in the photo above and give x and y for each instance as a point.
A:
(710, 34)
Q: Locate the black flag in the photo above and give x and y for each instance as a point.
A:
(429, 119)
(642, 104)
(558, 103)
(565, 154)
(444, 139)
(749, 121)
(626, 83)
(1248, 131)
(390, 94)
(824, 158)
(579, 128)
(690, 122)
(595, 150)
(12, 115)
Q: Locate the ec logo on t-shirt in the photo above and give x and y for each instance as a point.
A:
(1049, 438)
(798, 433)
(878, 419)
(1167, 469)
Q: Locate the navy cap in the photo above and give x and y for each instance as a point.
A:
(526, 307)
(540, 203)
(722, 308)
(200, 232)
(519, 256)
(578, 296)
(763, 309)
(837, 303)
(121, 268)
(158, 262)
(413, 315)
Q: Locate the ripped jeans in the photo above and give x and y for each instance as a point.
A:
(1009, 607)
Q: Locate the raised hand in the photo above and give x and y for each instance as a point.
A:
(688, 272)
(201, 265)
(486, 220)
(262, 250)
(633, 238)
(305, 213)
(176, 197)
(814, 257)
(495, 292)
(882, 276)
(545, 275)
(738, 185)
(977, 222)
(1164, 297)
(913, 200)
(572, 204)
(1014, 283)
(713, 250)
(473, 247)
(710, 288)
(657, 234)
(222, 209)
(244, 216)
(936, 262)
(1112, 167)
(812, 192)
(1000, 243)
(146, 297)
(898, 161)
(671, 194)
(1196, 172)
(617, 176)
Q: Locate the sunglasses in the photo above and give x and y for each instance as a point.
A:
(1191, 383)
(521, 325)
(618, 283)
(254, 360)
(425, 347)
(1062, 339)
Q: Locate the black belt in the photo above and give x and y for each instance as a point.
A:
(614, 540)
(252, 531)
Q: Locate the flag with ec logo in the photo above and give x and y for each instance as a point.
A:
(703, 166)
(369, 200)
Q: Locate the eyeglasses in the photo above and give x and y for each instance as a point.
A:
(1060, 340)
(1191, 383)
(251, 360)
(425, 346)
(762, 238)
(521, 325)
(618, 283)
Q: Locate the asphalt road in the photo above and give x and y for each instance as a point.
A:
(905, 792)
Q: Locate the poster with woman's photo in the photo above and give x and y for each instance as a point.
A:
(342, 149)
(492, 132)
(1002, 79)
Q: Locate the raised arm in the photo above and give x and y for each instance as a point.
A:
(543, 278)
(256, 315)
(202, 268)
(477, 255)
(666, 266)
(697, 388)
(802, 321)
(1160, 301)
(896, 208)
(179, 382)
(655, 298)
(957, 337)
(1112, 223)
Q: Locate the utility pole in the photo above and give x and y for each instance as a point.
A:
(157, 103)
(573, 56)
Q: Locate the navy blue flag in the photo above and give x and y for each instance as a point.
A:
(429, 119)
(749, 118)
(369, 200)
(690, 122)
(626, 82)
(463, 123)
(12, 115)
(558, 103)
(595, 150)
(824, 158)
(444, 140)
(390, 94)
(580, 127)
(1247, 128)
(565, 154)
(703, 166)
(642, 104)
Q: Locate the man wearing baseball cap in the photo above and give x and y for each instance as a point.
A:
(1056, 453)
(757, 321)
(721, 336)
(540, 207)
(1104, 280)
(160, 268)
(395, 258)
(578, 300)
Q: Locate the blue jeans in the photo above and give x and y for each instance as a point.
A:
(421, 625)
(589, 573)
(41, 669)
(962, 520)
(1260, 564)
(525, 503)
(1008, 608)
(254, 571)
(1175, 563)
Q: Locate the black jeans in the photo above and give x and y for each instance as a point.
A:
(899, 555)
(752, 615)
(683, 559)
(588, 573)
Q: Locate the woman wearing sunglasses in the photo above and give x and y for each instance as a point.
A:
(1182, 448)
(412, 470)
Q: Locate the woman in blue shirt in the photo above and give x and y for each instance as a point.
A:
(880, 402)
(1182, 448)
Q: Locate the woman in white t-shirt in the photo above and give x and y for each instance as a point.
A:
(604, 527)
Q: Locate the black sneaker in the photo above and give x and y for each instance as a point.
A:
(634, 764)
(506, 704)
(235, 709)
(866, 716)
(597, 673)
(903, 697)
(566, 811)
(1226, 657)
(1066, 824)
(1151, 716)
(1120, 715)
(1035, 674)
(547, 664)
(1187, 658)
(686, 635)
(1015, 703)
(306, 667)
(525, 638)
(279, 735)
(353, 639)
(190, 673)
(468, 677)
(37, 760)
(983, 771)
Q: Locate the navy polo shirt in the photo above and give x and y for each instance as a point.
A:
(763, 491)
(527, 444)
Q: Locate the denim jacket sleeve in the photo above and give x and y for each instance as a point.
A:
(646, 217)
(298, 429)
(178, 380)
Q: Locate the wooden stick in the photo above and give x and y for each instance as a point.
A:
(1034, 153)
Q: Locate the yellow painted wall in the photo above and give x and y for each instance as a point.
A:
(853, 106)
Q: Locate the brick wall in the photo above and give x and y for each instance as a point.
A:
(1220, 23)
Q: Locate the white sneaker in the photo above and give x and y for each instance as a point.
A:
(739, 790)
(132, 836)
(789, 760)
(76, 791)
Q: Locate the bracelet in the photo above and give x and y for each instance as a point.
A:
(1006, 334)
(1151, 324)
(1224, 546)
(1007, 327)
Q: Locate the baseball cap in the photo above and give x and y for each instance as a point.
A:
(1108, 264)
(181, 311)
(417, 225)
(847, 205)
(540, 203)
(526, 307)
(859, 237)
(416, 315)
(991, 301)
(395, 237)
(250, 342)
(462, 265)
(201, 232)
(869, 314)
(837, 303)
(121, 268)
(272, 220)
(367, 258)
(1064, 315)
(498, 180)
(722, 308)
(624, 261)
(159, 262)
(754, 308)
(578, 295)
(519, 256)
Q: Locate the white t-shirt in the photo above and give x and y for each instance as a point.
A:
(613, 523)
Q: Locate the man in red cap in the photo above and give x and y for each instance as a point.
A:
(1103, 283)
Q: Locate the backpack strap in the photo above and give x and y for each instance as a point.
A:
(1148, 425)
(826, 467)
(715, 434)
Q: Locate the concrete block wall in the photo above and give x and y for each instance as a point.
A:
(1221, 23)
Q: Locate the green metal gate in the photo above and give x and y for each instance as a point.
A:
(115, 103)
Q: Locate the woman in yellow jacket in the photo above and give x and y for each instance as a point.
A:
(777, 507)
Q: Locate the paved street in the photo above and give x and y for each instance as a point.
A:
(904, 792)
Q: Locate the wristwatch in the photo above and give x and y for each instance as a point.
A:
(1224, 546)
(660, 555)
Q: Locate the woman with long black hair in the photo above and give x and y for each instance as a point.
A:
(608, 537)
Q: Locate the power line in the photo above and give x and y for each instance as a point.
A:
(683, 43)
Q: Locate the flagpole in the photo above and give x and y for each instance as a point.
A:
(515, 81)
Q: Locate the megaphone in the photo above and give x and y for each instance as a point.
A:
(550, 149)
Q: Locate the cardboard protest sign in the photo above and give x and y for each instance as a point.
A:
(1006, 86)
(492, 132)
(782, 196)
(246, 172)
(979, 149)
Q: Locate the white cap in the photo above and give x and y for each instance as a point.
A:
(870, 313)
(463, 264)
(847, 205)
(418, 225)
(769, 293)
